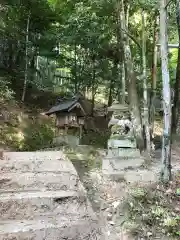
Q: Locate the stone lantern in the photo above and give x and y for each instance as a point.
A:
(122, 144)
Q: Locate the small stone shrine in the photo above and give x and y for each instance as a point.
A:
(122, 143)
(69, 120)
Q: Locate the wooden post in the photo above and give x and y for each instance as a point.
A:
(66, 133)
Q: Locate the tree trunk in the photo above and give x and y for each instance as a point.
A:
(122, 81)
(176, 107)
(26, 60)
(123, 97)
(132, 89)
(145, 93)
(154, 77)
(93, 87)
(166, 147)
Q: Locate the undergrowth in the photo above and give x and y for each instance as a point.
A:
(37, 136)
(152, 212)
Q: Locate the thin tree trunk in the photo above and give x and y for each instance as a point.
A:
(26, 60)
(114, 76)
(93, 87)
(75, 66)
(132, 89)
(154, 76)
(123, 98)
(166, 147)
(122, 81)
(145, 93)
(176, 105)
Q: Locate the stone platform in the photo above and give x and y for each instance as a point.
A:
(119, 159)
(42, 198)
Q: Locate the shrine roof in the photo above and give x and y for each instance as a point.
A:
(65, 105)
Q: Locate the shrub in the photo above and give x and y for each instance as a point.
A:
(37, 136)
(5, 92)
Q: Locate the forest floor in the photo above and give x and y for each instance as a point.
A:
(120, 202)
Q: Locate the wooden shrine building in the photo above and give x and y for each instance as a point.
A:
(70, 119)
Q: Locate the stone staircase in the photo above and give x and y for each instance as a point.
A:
(41, 197)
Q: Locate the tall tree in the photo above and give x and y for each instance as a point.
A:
(166, 147)
(154, 74)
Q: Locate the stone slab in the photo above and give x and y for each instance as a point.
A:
(30, 156)
(28, 205)
(51, 228)
(35, 181)
(36, 166)
(113, 143)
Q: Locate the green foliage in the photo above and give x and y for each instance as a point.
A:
(97, 139)
(37, 136)
(6, 92)
(80, 36)
(10, 137)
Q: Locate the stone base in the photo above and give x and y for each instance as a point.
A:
(112, 166)
(125, 143)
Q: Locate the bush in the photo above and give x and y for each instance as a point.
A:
(37, 136)
(97, 139)
(5, 92)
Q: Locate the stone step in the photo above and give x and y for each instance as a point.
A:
(42, 198)
(30, 156)
(36, 181)
(50, 228)
(36, 166)
(27, 205)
